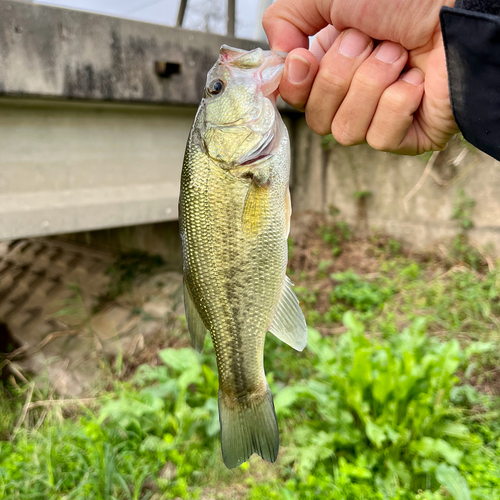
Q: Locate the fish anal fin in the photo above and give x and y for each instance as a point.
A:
(248, 427)
(196, 327)
(288, 323)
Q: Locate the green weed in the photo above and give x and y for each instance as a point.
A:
(167, 414)
(362, 195)
(335, 235)
(352, 292)
(377, 420)
(388, 410)
(462, 211)
(126, 270)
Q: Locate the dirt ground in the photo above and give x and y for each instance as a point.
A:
(68, 311)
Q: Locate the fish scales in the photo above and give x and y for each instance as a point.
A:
(234, 217)
(243, 269)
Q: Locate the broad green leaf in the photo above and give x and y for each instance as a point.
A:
(375, 434)
(453, 481)
(154, 443)
(361, 372)
(213, 409)
(480, 348)
(428, 447)
(180, 359)
(352, 323)
(286, 397)
(383, 385)
(455, 429)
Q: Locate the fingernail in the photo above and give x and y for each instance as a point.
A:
(414, 76)
(353, 43)
(389, 52)
(298, 68)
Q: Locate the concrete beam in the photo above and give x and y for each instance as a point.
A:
(54, 52)
(95, 112)
(69, 166)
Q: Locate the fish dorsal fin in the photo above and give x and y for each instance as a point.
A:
(289, 324)
(196, 327)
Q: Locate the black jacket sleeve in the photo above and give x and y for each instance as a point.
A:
(471, 33)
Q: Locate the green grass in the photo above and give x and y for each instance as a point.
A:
(396, 406)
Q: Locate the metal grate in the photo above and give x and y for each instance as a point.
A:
(36, 276)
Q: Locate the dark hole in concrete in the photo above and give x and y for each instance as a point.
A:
(166, 69)
(8, 344)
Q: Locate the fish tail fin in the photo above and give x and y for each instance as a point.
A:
(247, 428)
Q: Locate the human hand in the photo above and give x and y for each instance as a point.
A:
(355, 91)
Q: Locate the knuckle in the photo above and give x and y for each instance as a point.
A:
(271, 20)
(366, 82)
(332, 82)
(344, 141)
(380, 142)
(394, 101)
(378, 146)
(344, 137)
(267, 19)
(317, 125)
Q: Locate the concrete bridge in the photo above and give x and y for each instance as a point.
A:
(94, 117)
(95, 112)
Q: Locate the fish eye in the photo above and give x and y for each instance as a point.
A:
(216, 87)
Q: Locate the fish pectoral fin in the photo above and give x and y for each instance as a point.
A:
(256, 205)
(196, 327)
(288, 323)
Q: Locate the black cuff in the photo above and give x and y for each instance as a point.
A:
(472, 44)
(485, 6)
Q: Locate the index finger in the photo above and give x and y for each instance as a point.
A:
(289, 23)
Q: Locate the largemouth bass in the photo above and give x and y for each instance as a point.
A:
(234, 214)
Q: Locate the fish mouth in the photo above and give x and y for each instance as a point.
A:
(266, 66)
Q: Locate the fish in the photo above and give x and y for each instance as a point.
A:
(234, 216)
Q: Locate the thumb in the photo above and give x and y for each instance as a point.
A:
(289, 23)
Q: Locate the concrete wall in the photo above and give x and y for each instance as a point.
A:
(161, 239)
(69, 166)
(335, 176)
(50, 51)
(92, 138)
(92, 133)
